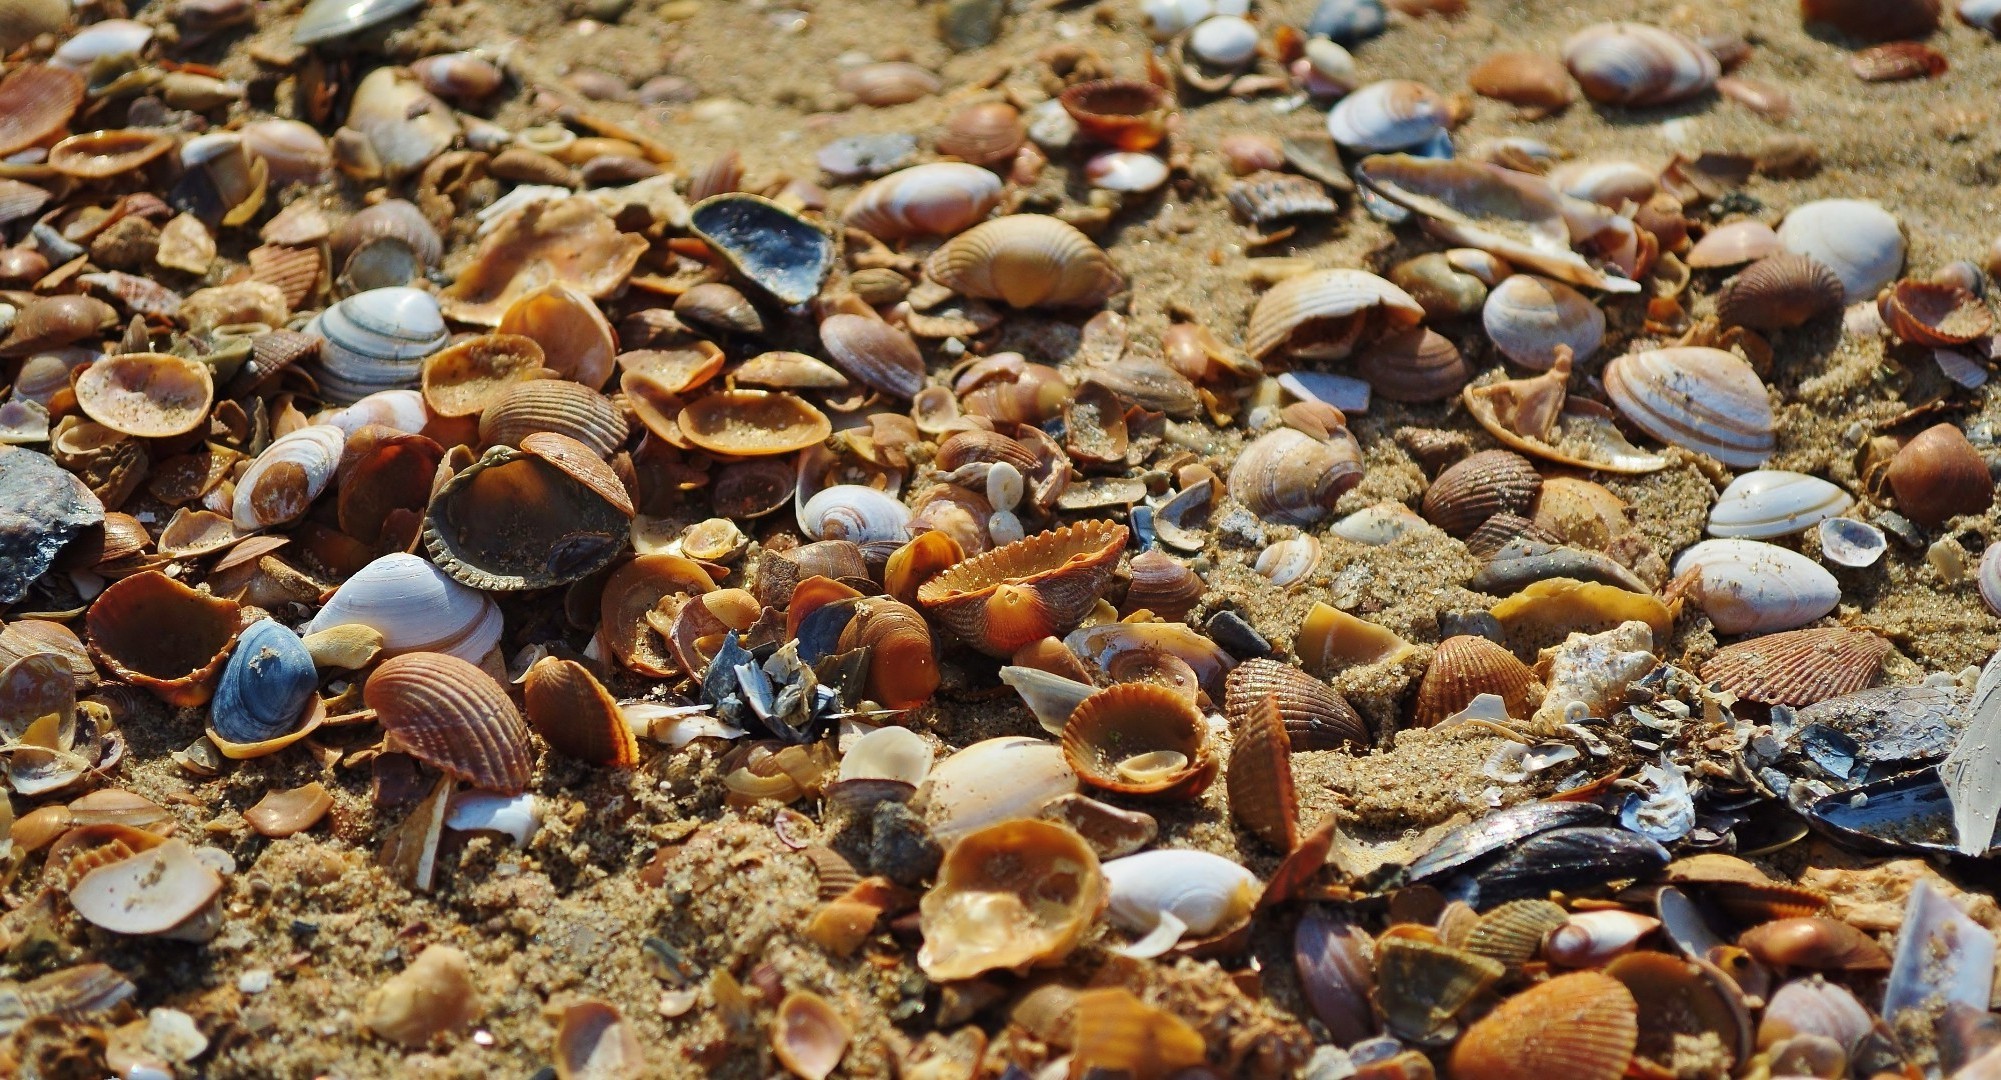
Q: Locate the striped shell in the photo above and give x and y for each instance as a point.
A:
(1039, 587)
(1778, 292)
(282, 484)
(575, 715)
(1288, 476)
(1325, 314)
(1704, 399)
(565, 408)
(1415, 365)
(1140, 738)
(1766, 503)
(1799, 667)
(1527, 317)
(1465, 667)
(1026, 260)
(454, 717)
(1581, 1026)
(1316, 717)
(987, 133)
(36, 101)
(1478, 487)
(1751, 587)
(938, 199)
(376, 340)
(1259, 781)
(415, 607)
(872, 352)
(1637, 65)
(1856, 238)
(1389, 115)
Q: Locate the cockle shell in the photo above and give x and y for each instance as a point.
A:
(1856, 238)
(416, 607)
(1259, 783)
(1766, 503)
(148, 395)
(1026, 260)
(1733, 243)
(128, 629)
(1038, 587)
(1389, 115)
(548, 513)
(576, 715)
(1325, 314)
(1465, 667)
(1290, 477)
(284, 480)
(1129, 114)
(1315, 716)
(1478, 487)
(938, 199)
(451, 715)
(1704, 399)
(1166, 894)
(1750, 587)
(1779, 291)
(874, 353)
(1636, 65)
(376, 340)
(557, 406)
(1140, 739)
(1584, 1025)
(1527, 316)
(1012, 896)
(1799, 667)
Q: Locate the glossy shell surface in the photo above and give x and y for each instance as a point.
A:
(1856, 238)
(1751, 587)
(1637, 65)
(1026, 260)
(1767, 503)
(452, 716)
(1704, 399)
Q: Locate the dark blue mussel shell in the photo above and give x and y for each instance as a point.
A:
(265, 686)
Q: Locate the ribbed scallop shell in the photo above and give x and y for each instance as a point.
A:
(1638, 65)
(575, 715)
(1259, 780)
(1465, 667)
(1856, 238)
(988, 133)
(281, 485)
(553, 405)
(36, 101)
(1751, 587)
(1163, 585)
(872, 352)
(938, 199)
(1287, 476)
(1478, 487)
(1140, 739)
(1704, 399)
(1778, 292)
(1324, 314)
(1527, 317)
(415, 607)
(1581, 1026)
(1415, 365)
(1012, 896)
(376, 340)
(1316, 717)
(1389, 115)
(1773, 502)
(156, 633)
(1421, 986)
(1038, 587)
(1799, 667)
(1513, 932)
(148, 395)
(454, 717)
(1026, 260)
(546, 514)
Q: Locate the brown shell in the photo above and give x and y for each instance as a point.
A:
(271, 354)
(1465, 667)
(546, 514)
(384, 476)
(1779, 291)
(1026, 260)
(1484, 484)
(1501, 530)
(753, 423)
(1127, 113)
(903, 659)
(1934, 314)
(978, 445)
(1163, 585)
(294, 271)
(1799, 667)
(1140, 739)
(1581, 1026)
(1896, 61)
(892, 82)
(36, 101)
(1530, 80)
(1938, 475)
(985, 133)
(1422, 985)
(464, 378)
(634, 590)
(553, 405)
(1415, 365)
(1513, 932)
(564, 243)
(1015, 895)
(577, 340)
(749, 489)
(1259, 780)
(576, 715)
(1034, 588)
(95, 155)
(148, 395)
(1875, 20)
(156, 633)
(780, 572)
(717, 306)
(872, 352)
(452, 716)
(51, 321)
(1315, 716)
(1817, 942)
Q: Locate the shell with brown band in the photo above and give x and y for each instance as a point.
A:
(1140, 739)
(454, 717)
(903, 662)
(127, 625)
(1315, 716)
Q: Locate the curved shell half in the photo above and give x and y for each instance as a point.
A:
(1751, 587)
(1704, 399)
(1774, 502)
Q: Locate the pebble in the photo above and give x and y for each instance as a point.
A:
(900, 845)
(254, 981)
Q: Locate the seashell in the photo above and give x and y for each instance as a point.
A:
(889, 83)
(1732, 244)
(36, 102)
(1513, 932)
(99, 154)
(1813, 1006)
(1421, 986)
(752, 423)
(1259, 781)
(1389, 115)
(293, 152)
(1527, 317)
(452, 716)
(464, 378)
(1166, 895)
(1583, 1025)
(987, 134)
(416, 607)
(1778, 292)
(577, 341)
(1634, 65)
(1897, 61)
(808, 1036)
(404, 125)
(1815, 942)
(458, 76)
(1163, 585)
(1704, 399)
(993, 781)
(284, 481)
(1331, 639)
(1289, 562)
(1537, 416)
(42, 508)
(1026, 260)
(1977, 13)
(1799, 667)
(553, 406)
(387, 244)
(1478, 487)
(1416, 365)
(562, 250)
(1441, 288)
(1289, 477)
(1034, 588)
(575, 715)
(1770, 503)
(874, 353)
(264, 699)
(1326, 313)
(1268, 199)
(593, 1042)
(1315, 716)
(124, 627)
(397, 410)
(715, 306)
(1140, 739)
(1934, 314)
(1333, 958)
(26, 20)
(1009, 896)
(939, 199)
(888, 753)
(1848, 542)
(1524, 79)
(1120, 1034)
(1590, 938)
(1126, 113)
(52, 321)
(328, 20)
(1465, 667)
(777, 251)
(548, 513)
(1875, 21)
(1225, 41)
(376, 341)
(1856, 238)
(903, 665)
(1938, 476)
(1125, 170)
(147, 395)
(1751, 587)
(856, 513)
(280, 814)
(153, 892)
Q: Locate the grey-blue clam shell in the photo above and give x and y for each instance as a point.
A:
(265, 687)
(770, 246)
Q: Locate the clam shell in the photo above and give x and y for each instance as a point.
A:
(1140, 739)
(593, 1042)
(575, 715)
(1325, 314)
(454, 717)
(327, 20)
(874, 353)
(1289, 477)
(1465, 667)
(148, 395)
(1331, 639)
(1478, 487)
(856, 513)
(151, 892)
(781, 253)
(992, 781)
(1584, 1025)
(1750, 587)
(1768, 503)
(1530, 80)
(404, 125)
(1163, 585)
(397, 410)
(1259, 781)
(1815, 941)
(1636, 65)
(96, 155)
(1315, 716)
(127, 625)
(416, 607)
(464, 378)
(51, 321)
(292, 150)
(264, 693)
(1177, 892)
(577, 342)
(1026, 260)
(1704, 399)
(1732, 244)
(1799, 667)
(1389, 115)
(36, 101)
(988, 134)
(1126, 113)
(546, 514)
(567, 244)
(375, 341)
(938, 199)
(1416, 365)
(1527, 317)
(284, 480)
(903, 661)
(1778, 292)
(1856, 238)
(1289, 562)
(1935, 314)
(556, 406)
(809, 1036)
(1038, 587)
(1010, 896)
(1938, 475)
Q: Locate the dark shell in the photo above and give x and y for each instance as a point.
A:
(1523, 562)
(1906, 813)
(1503, 828)
(265, 686)
(42, 508)
(1562, 860)
(1336, 974)
(1887, 723)
(778, 252)
(1316, 716)
(1487, 483)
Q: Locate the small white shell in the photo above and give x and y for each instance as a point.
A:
(1989, 577)
(1848, 542)
(149, 893)
(1389, 115)
(1590, 938)
(1528, 316)
(266, 496)
(98, 41)
(1635, 64)
(1378, 525)
(517, 816)
(416, 607)
(1225, 40)
(1750, 587)
(1291, 561)
(1052, 698)
(854, 512)
(404, 122)
(1984, 14)
(1168, 18)
(1125, 170)
(938, 199)
(376, 340)
(1704, 399)
(993, 781)
(1773, 502)
(888, 753)
(1856, 238)
(1178, 891)
(398, 410)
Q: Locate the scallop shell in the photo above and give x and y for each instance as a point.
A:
(1768, 503)
(1038, 587)
(1856, 238)
(376, 340)
(1325, 314)
(1166, 894)
(1259, 781)
(1584, 1025)
(453, 717)
(938, 199)
(1026, 260)
(575, 715)
(1389, 115)
(1119, 1034)
(416, 607)
(1416, 365)
(1127, 113)
(1289, 477)
(265, 698)
(1465, 667)
(546, 514)
(1778, 292)
(1704, 399)
(1421, 986)
(1315, 716)
(872, 352)
(1799, 667)
(556, 406)
(1010, 896)
(148, 395)
(1527, 317)
(284, 480)
(1140, 739)
(36, 101)
(854, 512)
(1636, 65)
(126, 623)
(1750, 587)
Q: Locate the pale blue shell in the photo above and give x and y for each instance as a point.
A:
(265, 686)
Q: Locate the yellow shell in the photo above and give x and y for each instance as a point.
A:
(1011, 896)
(1026, 260)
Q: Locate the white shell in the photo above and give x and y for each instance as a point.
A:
(1052, 698)
(1751, 587)
(1203, 893)
(1773, 502)
(416, 607)
(1125, 170)
(376, 340)
(149, 893)
(1291, 561)
(1590, 938)
(1389, 115)
(888, 753)
(1635, 64)
(1856, 238)
(399, 410)
(1378, 525)
(992, 781)
(1945, 958)
(1528, 316)
(314, 449)
(1332, 295)
(854, 512)
(938, 199)
(1704, 399)
(325, 20)
(110, 38)
(1225, 41)
(1167, 18)
(1848, 542)
(518, 816)
(1607, 183)
(1989, 577)
(404, 122)
(1985, 14)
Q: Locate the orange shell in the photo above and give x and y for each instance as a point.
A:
(576, 716)
(565, 243)
(1026, 260)
(1140, 739)
(95, 155)
(1127, 113)
(36, 101)
(1934, 314)
(1817, 942)
(903, 661)
(1799, 667)
(1465, 667)
(753, 423)
(678, 370)
(451, 715)
(1034, 588)
(382, 472)
(566, 408)
(1316, 717)
(148, 395)
(1259, 780)
(1581, 1026)
(1119, 1033)
(926, 556)
(633, 590)
(1013, 895)
(156, 633)
(1163, 585)
(463, 379)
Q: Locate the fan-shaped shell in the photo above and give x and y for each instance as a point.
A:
(1325, 314)
(938, 199)
(265, 697)
(1038, 587)
(556, 406)
(36, 101)
(1638, 65)
(1751, 587)
(1421, 985)
(1704, 399)
(1389, 115)
(1584, 1025)
(284, 480)
(148, 395)
(1527, 317)
(872, 352)
(1778, 292)
(158, 634)
(453, 717)
(575, 715)
(546, 514)
(1287, 476)
(1465, 667)
(1010, 896)
(465, 378)
(1140, 739)
(1415, 365)
(1799, 667)
(987, 133)
(376, 340)
(1478, 487)
(1856, 238)
(1026, 260)
(416, 607)
(1315, 716)
(1259, 781)
(1766, 503)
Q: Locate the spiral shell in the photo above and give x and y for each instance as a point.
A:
(376, 340)
(939, 199)
(1799, 667)
(1636, 65)
(1478, 487)
(575, 715)
(1325, 314)
(1584, 1025)
(1038, 587)
(415, 607)
(128, 628)
(281, 485)
(1856, 238)
(1750, 587)
(854, 512)
(1390, 115)
(1290, 477)
(453, 717)
(148, 395)
(1528, 317)
(1026, 260)
(872, 352)
(1010, 896)
(1705, 399)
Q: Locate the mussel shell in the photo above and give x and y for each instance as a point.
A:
(1498, 830)
(265, 690)
(454, 717)
(772, 248)
(547, 514)
(1563, 859)
(42, 508)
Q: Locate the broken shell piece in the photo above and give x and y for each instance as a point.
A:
(432, 996)
(151, 892)
(1590, 673)
(1536, 416)
(1331, 640)
(991, 781)
(594, 1042)
(566, 242)
(1011, 896)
